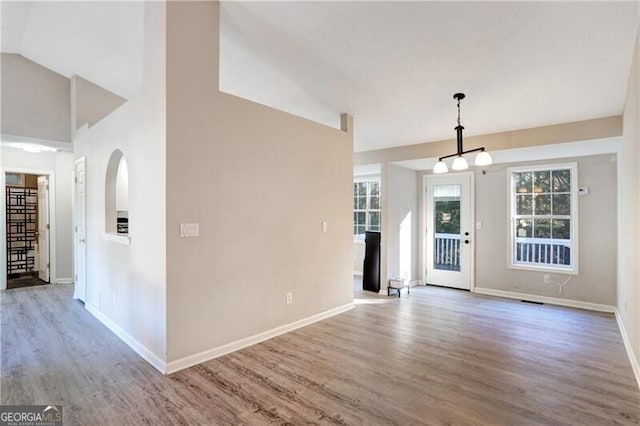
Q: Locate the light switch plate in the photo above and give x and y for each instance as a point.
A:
(189, 230)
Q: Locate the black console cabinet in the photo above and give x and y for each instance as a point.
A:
(371, 267)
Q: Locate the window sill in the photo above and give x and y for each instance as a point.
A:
(117, 238)
(544, 269)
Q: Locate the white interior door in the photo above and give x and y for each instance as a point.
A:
(449, 236)
(80, 257)
(43, 228)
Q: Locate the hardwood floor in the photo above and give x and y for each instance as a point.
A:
(437, 356)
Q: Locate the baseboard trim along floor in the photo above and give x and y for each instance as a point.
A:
(207, 355)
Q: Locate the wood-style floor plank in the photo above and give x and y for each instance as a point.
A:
(437, 356)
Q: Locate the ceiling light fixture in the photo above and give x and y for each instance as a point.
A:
(460, 163)
(36, 149)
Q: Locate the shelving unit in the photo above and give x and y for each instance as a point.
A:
(22, 226)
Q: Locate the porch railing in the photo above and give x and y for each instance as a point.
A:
(539, 251)
(447, 252)
(543, 251)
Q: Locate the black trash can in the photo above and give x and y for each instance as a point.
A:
(371, 267)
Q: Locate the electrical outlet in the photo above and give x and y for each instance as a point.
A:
(547, 278)
(289, 298)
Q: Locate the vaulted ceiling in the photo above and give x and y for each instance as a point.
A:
(393, 65)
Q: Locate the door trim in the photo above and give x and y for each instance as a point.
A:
(423, 227)
(52, 221)
(47, 231)
(74, 222)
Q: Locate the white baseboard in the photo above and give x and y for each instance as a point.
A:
(545, 299)
(209, 354)
(627, 344)
(64, 281)
(138, 347)
(357, 273)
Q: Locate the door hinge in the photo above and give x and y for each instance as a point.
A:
(47, 226)
(48, 265)
(75, 180)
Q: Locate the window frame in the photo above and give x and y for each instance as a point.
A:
(573, 268)
(367, 210)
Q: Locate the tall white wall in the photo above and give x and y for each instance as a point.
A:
(401, 223)
(629, 213)
(596, 281)
(126, 284)
(60, 164)
(260, 183)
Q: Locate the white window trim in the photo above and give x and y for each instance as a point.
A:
(574, 269)
(367, 178)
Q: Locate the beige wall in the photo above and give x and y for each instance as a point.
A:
(629, 211)
(596, 281)
(548, 135)
(35, 100)
(90, 102)
(259, 182)
(126, 284)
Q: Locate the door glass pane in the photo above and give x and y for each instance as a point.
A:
(446, 244)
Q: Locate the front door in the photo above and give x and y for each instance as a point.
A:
(81, 231)
(43, 228)
(449, 238)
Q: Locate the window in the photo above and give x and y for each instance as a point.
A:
(544, 217)
(366, 207)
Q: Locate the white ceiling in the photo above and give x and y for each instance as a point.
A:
(99, 41)
(395, 65)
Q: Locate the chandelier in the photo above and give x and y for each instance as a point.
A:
(460, 163)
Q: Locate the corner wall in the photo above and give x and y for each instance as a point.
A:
(259, 183)
(628, 294)
(126, 284)
(401, 224)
